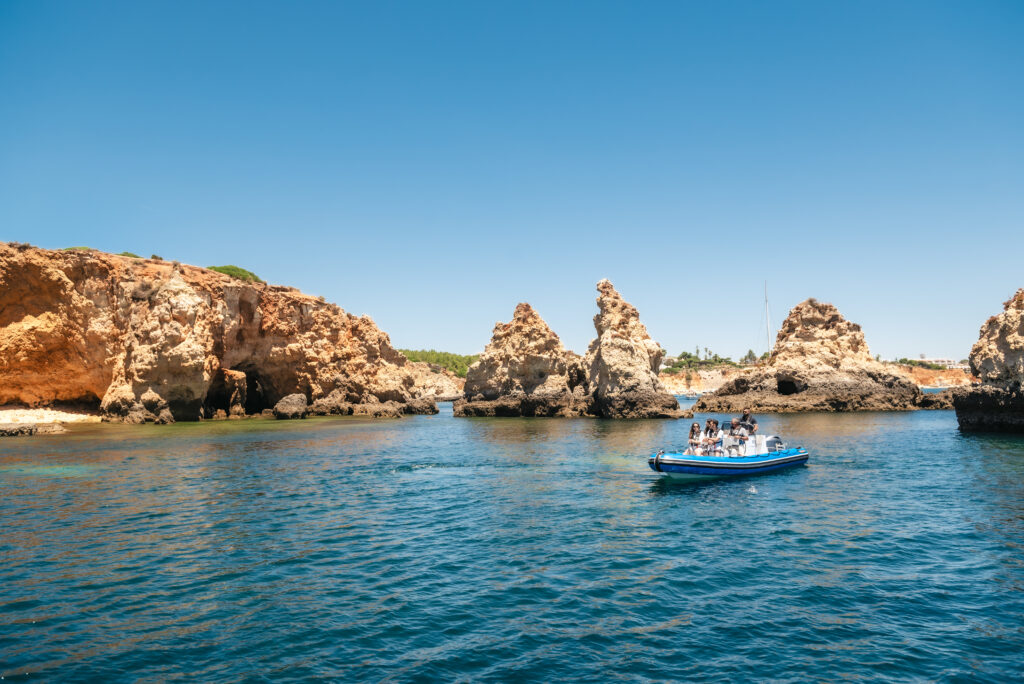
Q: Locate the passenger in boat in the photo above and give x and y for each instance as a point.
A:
(695, 440)
(739, 435)
(712, 437)
(748, 422)
(738, 431)
(707, 437)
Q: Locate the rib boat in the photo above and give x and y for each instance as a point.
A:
(760, 455)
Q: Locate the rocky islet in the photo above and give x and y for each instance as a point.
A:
(526, 371)
(820, 362)
(997, 358)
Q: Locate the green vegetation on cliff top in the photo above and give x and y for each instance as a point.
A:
(687, 362)
(456, 363)
(920, 364)
(237, 272)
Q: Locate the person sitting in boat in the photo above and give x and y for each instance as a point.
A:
(712, 437)
(748, 422)
(695, 439)
(739, 434)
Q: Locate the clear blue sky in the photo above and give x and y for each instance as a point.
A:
(434, 163)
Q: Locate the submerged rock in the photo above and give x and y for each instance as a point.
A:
(156, 341)
(820, 362)
(26, 429)
(997, 358)
(525, 370)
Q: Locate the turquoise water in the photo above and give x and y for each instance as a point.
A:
(504, 549)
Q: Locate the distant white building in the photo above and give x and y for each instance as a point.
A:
(948, 363)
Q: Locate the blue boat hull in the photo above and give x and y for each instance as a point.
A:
(679, 466)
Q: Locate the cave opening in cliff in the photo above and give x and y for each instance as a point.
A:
(218, 397)
(216, 400)
(256, 392)
(787, 387)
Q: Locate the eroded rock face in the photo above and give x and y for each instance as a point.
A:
(434, 383)
(159, 341)
(997, 404)
(820, 362)
(525, 370)
(623, 361)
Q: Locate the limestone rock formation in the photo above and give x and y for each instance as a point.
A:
(937, 400)
(525, 370)
(151, 340)
(334, 404)
(26, 429)
(291, 407)
(707, 380)
(820, 362)
(434, 383)
(623, 361)
(997, 358)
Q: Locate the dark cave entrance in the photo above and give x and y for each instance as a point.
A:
(224, 390)
(255, 392)
(787, 387)
(218, 397)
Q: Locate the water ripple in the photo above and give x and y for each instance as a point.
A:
(533, 550)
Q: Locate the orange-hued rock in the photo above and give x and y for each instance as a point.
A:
(947, 377)
(156, 340)
(622, 363)
(820, 362)
(525, 370)
(997, 358)
(707, 380)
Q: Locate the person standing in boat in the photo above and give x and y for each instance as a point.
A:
(748, 422)
(695, 440)
(739, 435)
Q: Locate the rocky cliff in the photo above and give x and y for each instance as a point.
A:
(525, 370)
(153, 340)
(820, 362)
(997, 358)
(928, 377)
(698, 381)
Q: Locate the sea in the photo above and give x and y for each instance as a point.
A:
(435, 548)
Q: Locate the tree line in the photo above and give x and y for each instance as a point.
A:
(456, 363)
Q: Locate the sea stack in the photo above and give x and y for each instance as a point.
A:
(525, 370)
(997, 404)
(622, 363)
(151, 340)
(820, 362)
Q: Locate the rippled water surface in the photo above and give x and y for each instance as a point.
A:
(506, 549)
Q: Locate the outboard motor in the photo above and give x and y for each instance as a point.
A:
(774, 443)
